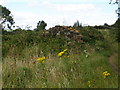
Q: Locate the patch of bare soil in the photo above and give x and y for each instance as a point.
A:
(113, 65)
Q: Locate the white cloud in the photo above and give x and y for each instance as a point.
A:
(84, 17)
(33, 3)
(68, 14)
(24, 18)
(24, 14)
(63, 7)
(2, 2)
(17, 1)
(74, 7)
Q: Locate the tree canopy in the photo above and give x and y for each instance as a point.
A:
(41, 25)
(6, 18)
(77, 24)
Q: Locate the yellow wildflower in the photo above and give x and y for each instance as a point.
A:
(65, 50)
(106, 74)
(41, 60)
(60, 54)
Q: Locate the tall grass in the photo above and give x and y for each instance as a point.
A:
(71, 72)
(80, 64)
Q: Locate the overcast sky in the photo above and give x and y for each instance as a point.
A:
(61, 12)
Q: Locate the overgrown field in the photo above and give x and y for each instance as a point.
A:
(33, 61)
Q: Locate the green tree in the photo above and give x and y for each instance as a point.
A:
(117, 23)
(6, 18)
(116, 2)
(117, 29)
(41, 25)
(77, 24)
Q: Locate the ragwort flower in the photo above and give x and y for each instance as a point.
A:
(61, 53)
(106, 74)
(41, 60)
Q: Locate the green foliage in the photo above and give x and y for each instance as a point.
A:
(18, 78)
(41, 25)
(6, 17)
(77, 24)
(91, 34)
(116, 30)
(86, 62)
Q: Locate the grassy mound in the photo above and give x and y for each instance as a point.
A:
(81, 65)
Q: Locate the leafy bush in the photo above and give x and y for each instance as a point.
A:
(90, 34)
